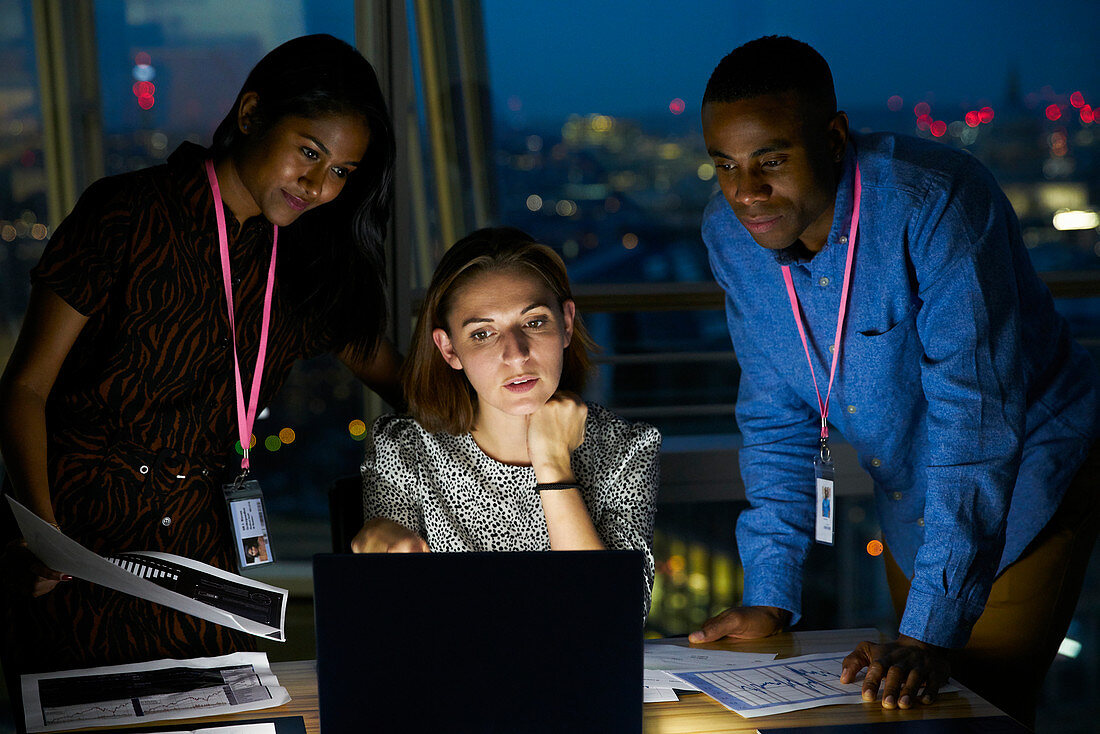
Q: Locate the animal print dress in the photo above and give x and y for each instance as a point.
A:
(142, 418)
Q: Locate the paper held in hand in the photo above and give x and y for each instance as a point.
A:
(188, 586)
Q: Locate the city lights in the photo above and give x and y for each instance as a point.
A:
(677, 106)
(895, 103)
(1071, 219)
(972, 118)
(534, 202)
(1069, 648)
(566, 207)
(874, 548)
(1053, 112)
(287, 435)
(144, 73)
(357, 429)
(985, 115)
(938, 128)
(1077, 100)
(705, 171)
(630, 240)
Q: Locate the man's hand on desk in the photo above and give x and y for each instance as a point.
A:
(381, 535)
(904, 667)
(743, 623)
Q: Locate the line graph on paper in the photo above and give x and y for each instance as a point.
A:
(775, 686)
(779, 684)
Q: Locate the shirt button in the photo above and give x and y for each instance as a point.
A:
(851, 409)
(876, 462)
(166, 521)
(843, 239)
(823, 280)
(920, 521)
(896, 495)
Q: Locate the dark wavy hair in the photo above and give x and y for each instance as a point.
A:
(441, 398)
(773, 65)
(333, 267)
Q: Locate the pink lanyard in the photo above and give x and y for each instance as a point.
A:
(823, 406)
(246, 417)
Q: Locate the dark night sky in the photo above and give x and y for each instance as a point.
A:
(634, 56)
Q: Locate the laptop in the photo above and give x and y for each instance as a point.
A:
(479, 642)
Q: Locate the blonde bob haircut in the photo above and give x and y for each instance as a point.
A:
(440, 397)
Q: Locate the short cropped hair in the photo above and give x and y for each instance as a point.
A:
(773, 65)
(441, 398)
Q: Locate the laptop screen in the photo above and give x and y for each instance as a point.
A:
(480, 642)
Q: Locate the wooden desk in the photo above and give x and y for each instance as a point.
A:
(694, 713)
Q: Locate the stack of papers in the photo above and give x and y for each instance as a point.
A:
(153, 691)
(666, 659)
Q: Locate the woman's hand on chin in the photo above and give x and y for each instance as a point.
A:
(382, 535)
(554, 431)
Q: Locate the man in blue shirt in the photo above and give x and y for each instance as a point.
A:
(957, 382)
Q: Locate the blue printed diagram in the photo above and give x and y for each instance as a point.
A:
(772, 686)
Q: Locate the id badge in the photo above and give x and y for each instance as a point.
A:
(826, 500)
(248, 519)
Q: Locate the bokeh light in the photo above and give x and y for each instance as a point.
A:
(938, 128)
(1077, 100)
(287, 435)
(895, 103)
(357, 428)
(874, 548)
(677, 106)
(630, 240)
(985, 114)
(1053, 112)
(272, 443)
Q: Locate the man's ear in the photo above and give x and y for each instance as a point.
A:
(443, 344)
(246, 112)
(568, 316)
(838, 135)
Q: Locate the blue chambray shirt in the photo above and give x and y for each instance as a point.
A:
(958, 384)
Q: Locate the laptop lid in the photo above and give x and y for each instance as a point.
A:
(479, 642)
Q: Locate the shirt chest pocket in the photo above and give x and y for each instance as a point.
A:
(883, 379)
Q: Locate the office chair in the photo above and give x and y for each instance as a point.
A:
(345, 511)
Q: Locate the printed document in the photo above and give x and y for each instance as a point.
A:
(665, 657)
(154, 691)
(791, 684)
(188, 586)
